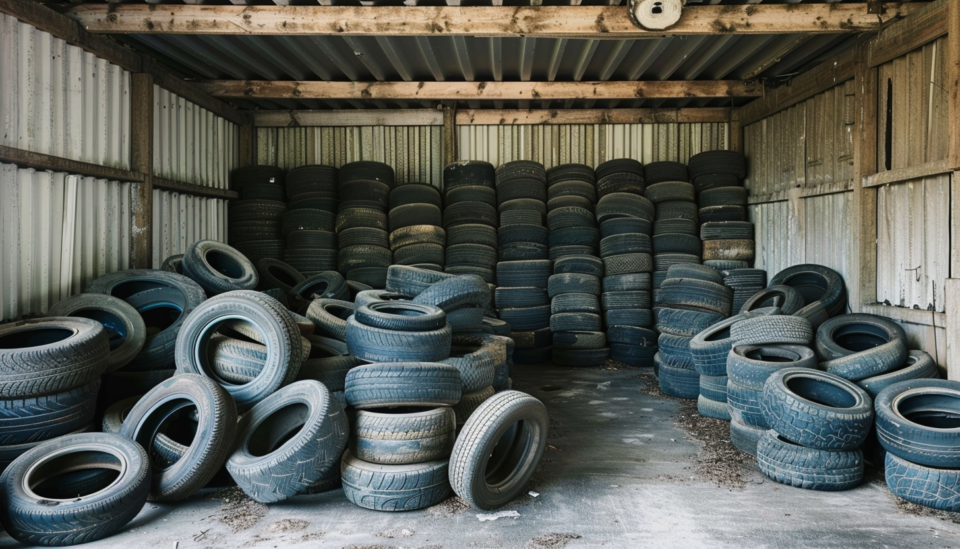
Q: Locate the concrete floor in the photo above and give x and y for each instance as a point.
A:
(617, 472)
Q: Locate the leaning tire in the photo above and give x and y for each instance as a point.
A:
(219, 268)
(117, 316)
(44, 417)
(808, 468)
(515, 418)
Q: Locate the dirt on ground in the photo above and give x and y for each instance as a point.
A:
(550, 541)
(287, 525)
(450, 507)
(238, 511)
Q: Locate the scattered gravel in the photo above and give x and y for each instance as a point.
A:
(550, 541)
(450, 507)
(237, 510)
(287, 525)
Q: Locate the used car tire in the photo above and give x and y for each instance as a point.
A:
(394, 487)
(403, 436)
(125, 328)
(387, 384)
(809, 468)
(927, 486)
(916, 420)
(772, 330)
(218, 268)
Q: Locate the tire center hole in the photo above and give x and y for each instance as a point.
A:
(277, 429)
(74, 475)
(509, 453)
(820, 392)
(397, 309)
(224, 264)
(34, 337)
(116, 329)
(780, 355)
(937, 411)
(859, 337)
(281, 275)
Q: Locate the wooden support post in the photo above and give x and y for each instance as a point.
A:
(449, 135)
(736, 131)
(248, 143)
(953, 83)
(141, 160)
(863, 279)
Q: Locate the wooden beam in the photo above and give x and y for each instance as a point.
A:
(736, 131)
(468, 117)
(351, 117)
(924, 25)
(141, 160)
(190, 188)
(449, 135)
(504, 91)
(28, 159)
(824, 76)
(863, 272)
(927, 169)
(605, 22)
(248, 145)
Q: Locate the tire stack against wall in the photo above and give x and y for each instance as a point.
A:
(470, 219)
(364, 200)
(254, 221)
(309, 223)
(728, 240)
(575, 322)
(676, 231)
(521, 295)
(416, 235)
(691, 296)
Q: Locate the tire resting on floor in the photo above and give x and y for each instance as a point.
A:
(927, 486)
(808, 468)
(713, 409)
(394, 487)
(745, 437)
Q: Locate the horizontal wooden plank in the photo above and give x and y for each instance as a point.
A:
(516, 91)
(190, 188)
(821, 78)
(609, 22)
(907, 174)
(924, 25)
(903, 314)
(354, 117)
(805, 192)
(28, 159)
(469, 117)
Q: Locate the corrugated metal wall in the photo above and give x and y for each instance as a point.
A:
(180, 220)
(57, 99)
(415, 152)
(190, 143)
(589, 144)
(57, 233)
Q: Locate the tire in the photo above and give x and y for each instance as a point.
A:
(236, 361)
(709, 348)
(523, 204)
(727, 230)
(627, 264)
(565, 341)
(675, 351)
(786, 298)
(681, 322)
(558, 252)
(850, 334)
(728, 250)
(375, 193)
(125, 328)
(658, 172)
(34, 419)
(307, 219)
(529, 234)
(468, 213)
(583, 264)
(401, 316)
(817, 409)
(633, 355)
(686, 293)
(663, 262)
(212, 443)
(626, 243)
(625, 225)
(574, 322)
(469, 402)
(362, 236)
(772, 330)
(808, 468)
(326, 285)
(394, 487)
(619, 166)
(311, 261)
(713, 409)
(33, 519)
(256, 210)
(718, 214)
(616, 205)
(670, 191)
(676, 226)
(513, 412)
(718, 162)
(330, 317)
(163, 299)
(678, 382)
(569, 217)
(414, 214)
(471, 254)
(172, 264)
(566, 283)
(632, 335)
(705, 182)
(472, 233)
(270, 318)
(745, 437)
(525, 319)
(580, 358)
(570, 172)
(694, 272)
(411, 281)
(516, 189)
(415, 193)
(625, 300)
(524, 273)
(457, 292)
(379, 345)
(312, 178)
(403, 436)
(471, 193)
(506, 298)
(417, 254)
(358, 257)
(278, 275)
(915, 421)
(415, 234)
(575, 303)
(422, 384)
(876, 361)
(519, 169)
(722, 196)
(476, 357)
(815, 283)
(468, 172)
(927, 486)
(330, 370)
(521, 217)
(751, 365)
(486, 273)
(671, 243)
(745, 405)
(631, 282)
(269, 465)
(919, 365)
(714, 388)
(629, 317)
(50, 355)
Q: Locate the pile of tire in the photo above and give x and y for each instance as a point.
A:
(728, 240)
(309, 223)
(821, 289)
(691, 297)
(675, 228)
(470, 219)
(416, 236)
(255, 220)
(364, 200)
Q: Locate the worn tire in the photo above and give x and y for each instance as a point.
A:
(388, 384)
(682, 322)
(751, 365)
(927, 486)
(403, 436)
(677, 382)
(809, 468)
(916, 421)
(454, 293)
(394, 487)
(919, 365)
(124, 326)
(772, 330)
(713, 408)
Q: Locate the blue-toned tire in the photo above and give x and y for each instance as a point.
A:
(919, 365)
(714, 388)
(917, 420)
(713, 408)
(678, 382)
(935, 488)
(809, 468)
(745, 437)
(745, 405)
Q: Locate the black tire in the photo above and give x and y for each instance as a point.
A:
(717, 214)
(751, 365)
(311, 261)
(626, 243)
(475, 357)
(239, 232)
(366, 170)
(619, 166)
(374, 277)
(349, 218)
(815, 283)
(388, 384)
(471, 193)
(727, 230)
(745, 405)
(657, 172)
(625, 225)
(697, 295)
(786, 298)
(358, 257)
(236, 361)
(616, 205)
(32, 419)
(414, 214)
(728, 250)
(710, 347)
(362, 236)
(403, 436)
(520, 188)
(629, 317)
(419, 254)
(456, 292)
(570, 172)
(33, 519)
(529, 296)
(627, 264)
(627, 282)
(173, 264)
(916, 421)
(670, 191)
(415, 193)
(517, 169)
(570, 201)
(216, 418)
(575, 303)
(311, 178)
(523, 204)
(401, 316)
(532, 234)
(472, 233)
(379, 345)
(256, 210)
(524, 273)
(713, 409)
(566, 283)
(278, 275)
(271, 320)
(677, 382)
(50, 355)
(681, 322)
(525, 319)
(621, 183)
(583, 264)
(582, 189)
(517, 424)
(663, 262)
(772, 330)
(469, 213)
(466, 319)
(927, 486)
(567, 341)
(269, 464)
(575, 236)
(718, 162)
(722, 196)
(307, 219)
(163, 300)
(575, 322)
(330, 317)
(705, 182)
(808, 468)
(468, 172)
(632, 335)
(745, 437)
(394, 487)
(558, 252)
(580, 358)
(568, 217)
(416, 234)
(325, 285)
(625, 300)
(125, 328)
(670, 243)
(696, 272)
(471, 254)
(520, 217)
(411, 281)
(919, 365)
(817, 409)
(523, 251)
(676, 226)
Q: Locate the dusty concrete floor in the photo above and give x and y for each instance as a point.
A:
(625, 467)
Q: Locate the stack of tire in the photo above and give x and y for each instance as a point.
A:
(254, 221)
(746, 283)
(691, 295)
(727, 236)
(575, 322)
(470, 219)
(308, 225)
(364, 200)
(763, 345)
(817, 423)
(416, 236)
(673, 244)
(571, 195)
(524, 304)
